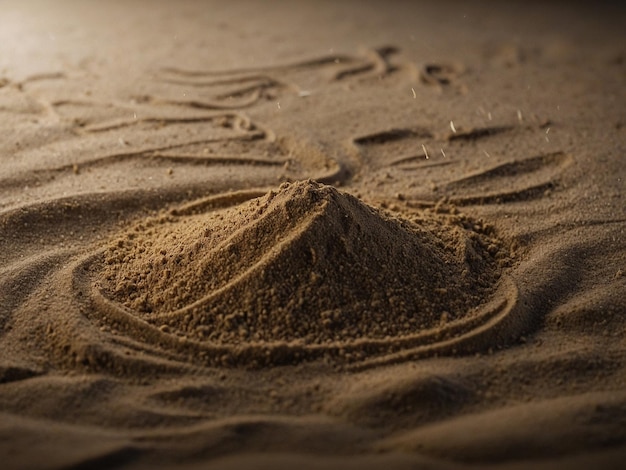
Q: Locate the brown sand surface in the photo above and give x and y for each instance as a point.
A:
(312, 234)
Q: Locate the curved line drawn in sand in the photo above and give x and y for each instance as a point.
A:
(435, 157)
(15, 96)
(477, 133)
(408, 148)
(441, 75)
(84, 113)
(409, 144)
(390, 147)
(147, 112)
(519, 180)
(200, 151)
(221, 103)
(368, 327)
(262, 83)
(376, 59)
(40, 77)
(392, 135)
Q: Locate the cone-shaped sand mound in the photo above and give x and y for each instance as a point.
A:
(307, 263)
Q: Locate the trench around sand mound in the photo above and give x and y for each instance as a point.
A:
(305, 263)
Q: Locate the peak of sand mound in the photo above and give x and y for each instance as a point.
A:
(306, 263)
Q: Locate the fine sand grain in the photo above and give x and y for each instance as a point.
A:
(312, 235)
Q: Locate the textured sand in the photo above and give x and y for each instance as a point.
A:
(312, 235)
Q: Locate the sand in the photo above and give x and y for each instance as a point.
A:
(312, 235)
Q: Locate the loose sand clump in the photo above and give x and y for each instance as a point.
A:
(306, 263)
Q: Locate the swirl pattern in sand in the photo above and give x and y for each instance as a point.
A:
(304, 271)
(161, 308)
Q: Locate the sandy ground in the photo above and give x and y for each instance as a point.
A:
(312, 235)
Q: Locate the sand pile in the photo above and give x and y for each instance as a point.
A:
(307, 263)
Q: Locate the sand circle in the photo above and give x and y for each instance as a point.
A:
(307, 264)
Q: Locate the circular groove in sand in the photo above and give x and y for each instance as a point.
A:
(500, 319)
(470, 331)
